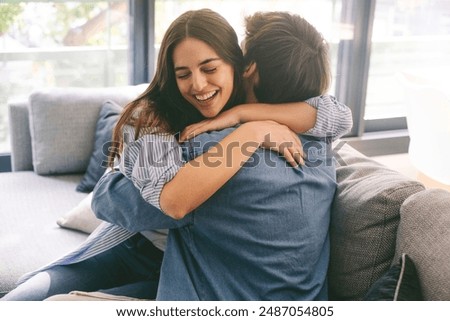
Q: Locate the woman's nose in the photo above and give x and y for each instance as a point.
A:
(198, 82)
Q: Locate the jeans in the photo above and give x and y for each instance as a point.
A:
(129, 269)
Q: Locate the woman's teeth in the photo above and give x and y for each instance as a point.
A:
(205, 96)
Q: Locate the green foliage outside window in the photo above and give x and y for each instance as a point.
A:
(8, 12)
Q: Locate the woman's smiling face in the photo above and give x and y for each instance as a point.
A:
(203, 78)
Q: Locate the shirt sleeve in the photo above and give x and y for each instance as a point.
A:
(150, 162)
(334, 119)
(116, 200)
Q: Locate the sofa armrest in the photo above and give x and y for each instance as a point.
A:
(21, 157)
(424, 234)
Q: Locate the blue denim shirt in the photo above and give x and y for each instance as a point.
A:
(262, 236)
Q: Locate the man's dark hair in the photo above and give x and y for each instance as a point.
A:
(291, 57)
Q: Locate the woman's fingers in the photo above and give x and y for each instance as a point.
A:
(192, 130)
(289, 155)
(299, 154)
(224, 120)
(196, 129)
(285, 142)
(290, 150)
(293, 154)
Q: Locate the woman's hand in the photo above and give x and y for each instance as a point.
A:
(279, 138)
(228, 118)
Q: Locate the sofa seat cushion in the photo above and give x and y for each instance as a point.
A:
(29, 236)
(424, 233)
(364, 221)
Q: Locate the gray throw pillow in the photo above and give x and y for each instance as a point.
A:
(62, 125)
(364, 220)
(109, 115)
(400, 283)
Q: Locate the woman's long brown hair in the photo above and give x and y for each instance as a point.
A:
(161, 106)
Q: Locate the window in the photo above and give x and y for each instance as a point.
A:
(60, 43)
(393, 37)
(408, 36)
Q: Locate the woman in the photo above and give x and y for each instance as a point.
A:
(133, 265)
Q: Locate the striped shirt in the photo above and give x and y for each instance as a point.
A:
(333, 120)
(150, 161)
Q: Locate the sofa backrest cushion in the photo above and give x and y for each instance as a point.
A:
(62, 125)
(364, 221)
(19, 129)
(424, 234)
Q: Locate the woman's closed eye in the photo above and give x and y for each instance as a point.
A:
(183, 75)
(210, 70)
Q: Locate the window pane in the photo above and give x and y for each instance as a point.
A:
(323, 14)
(60, 43)
(408, 36)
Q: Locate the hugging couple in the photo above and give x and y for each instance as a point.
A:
(238, 230)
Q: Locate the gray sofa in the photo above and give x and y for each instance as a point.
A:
(377, 215)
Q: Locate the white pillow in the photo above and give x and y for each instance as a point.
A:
(81, 217)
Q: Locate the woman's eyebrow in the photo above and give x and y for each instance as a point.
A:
(204, 62)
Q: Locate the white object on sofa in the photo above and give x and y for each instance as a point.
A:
(428, 119)
(81, 217)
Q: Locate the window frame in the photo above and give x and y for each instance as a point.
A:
(371, 137)
(142, 42)
(5, 162)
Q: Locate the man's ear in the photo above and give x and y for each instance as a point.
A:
(250, 70)
(251, 79)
